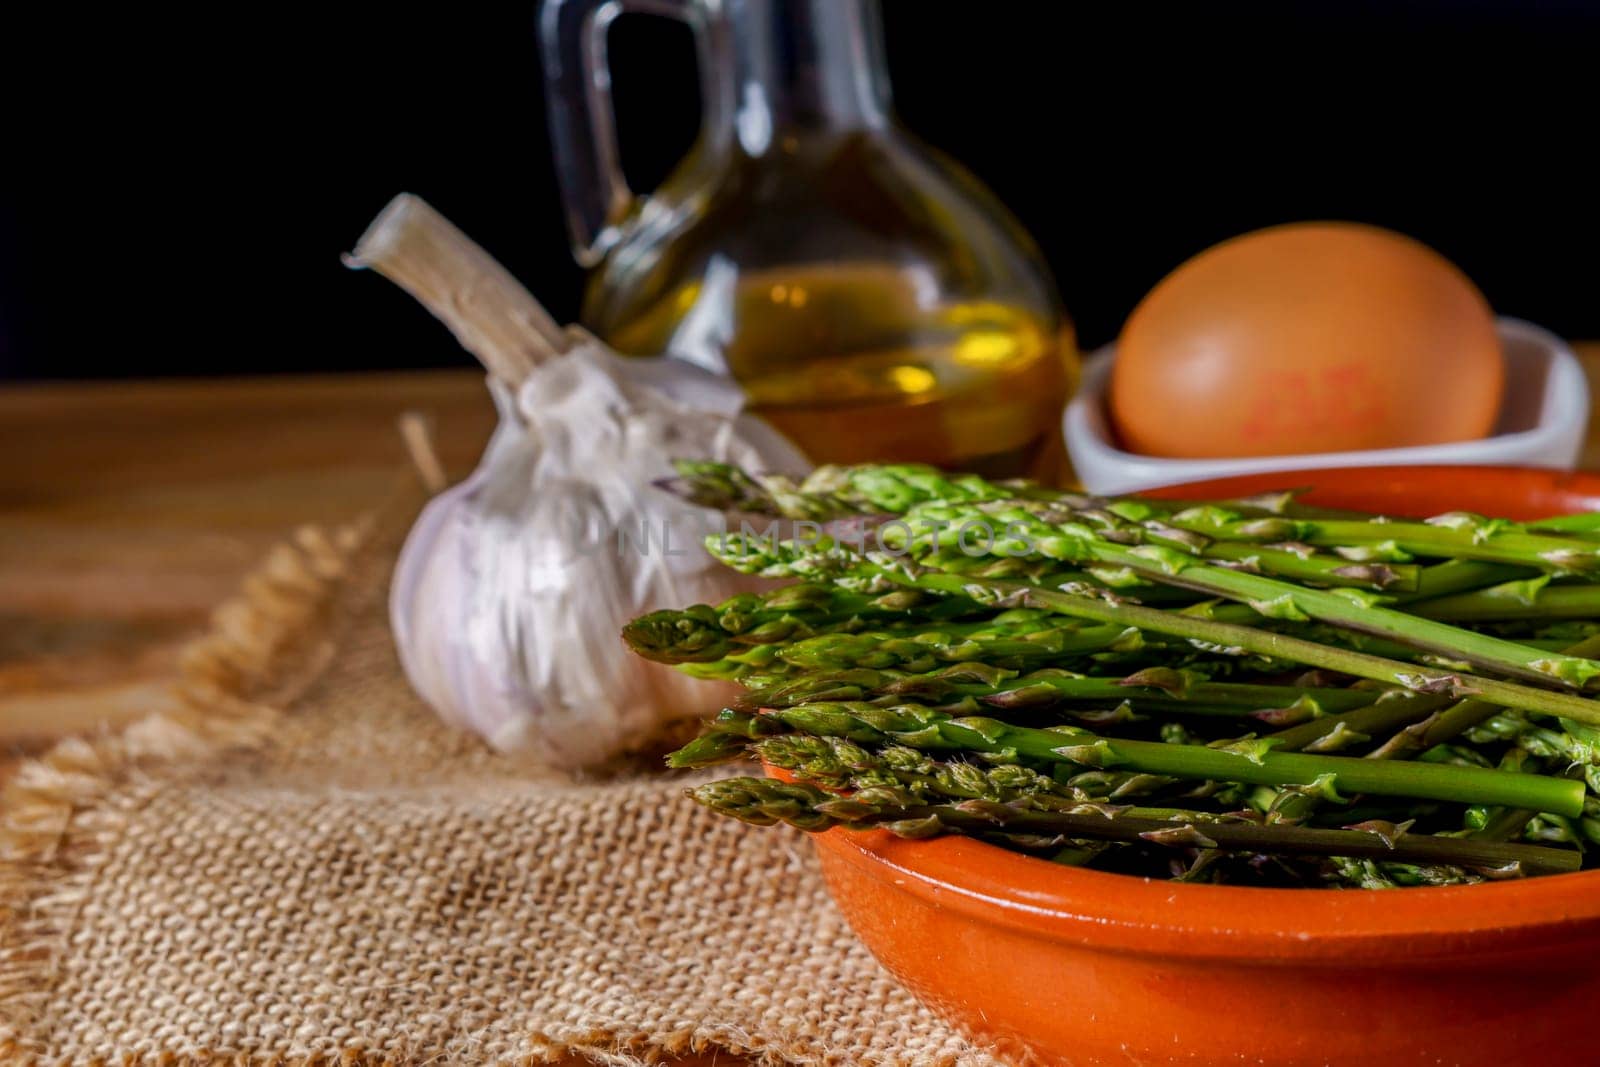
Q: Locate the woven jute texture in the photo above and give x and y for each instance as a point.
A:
(303, 866)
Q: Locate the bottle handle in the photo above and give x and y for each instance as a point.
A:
(583, 127)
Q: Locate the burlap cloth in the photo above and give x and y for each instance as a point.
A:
(303, 866)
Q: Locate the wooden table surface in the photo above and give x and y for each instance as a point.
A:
(129, 509)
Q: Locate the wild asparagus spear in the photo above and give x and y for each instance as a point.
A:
(1579, 525)
(1462, 576)
(1457, 535)
(1449, 723)
(758, 646)
(1530, 598)
(732, 732)
(981, 683)
(915, 650)
(839, 764)
(1052, 575)
(894, 488)
(1159, 552)
(836, 764)
(1252, 763)
(1460, 535)
(764, 802)
(829, 492)
(1171, 552)
(1330, 733)
(1015, 528)
(828, 560)
(727, 487)
(705, 632)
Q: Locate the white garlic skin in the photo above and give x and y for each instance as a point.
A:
(512, 588)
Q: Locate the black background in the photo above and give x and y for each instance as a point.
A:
(177, 186)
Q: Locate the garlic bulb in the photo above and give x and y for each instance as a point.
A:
(510, 594)
(512, 589)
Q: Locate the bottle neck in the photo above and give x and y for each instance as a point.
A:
(805, 66)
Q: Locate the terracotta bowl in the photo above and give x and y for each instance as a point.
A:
(1059, 965)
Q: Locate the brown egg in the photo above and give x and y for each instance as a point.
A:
(1311, 337)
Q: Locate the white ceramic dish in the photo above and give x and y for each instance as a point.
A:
(1542, 423)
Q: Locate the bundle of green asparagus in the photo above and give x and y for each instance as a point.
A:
(1251, 691)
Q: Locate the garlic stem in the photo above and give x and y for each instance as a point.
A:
(491, 314)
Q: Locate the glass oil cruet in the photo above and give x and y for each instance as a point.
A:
(872, 299)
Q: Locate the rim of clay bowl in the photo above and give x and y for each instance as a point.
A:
(1248, 923)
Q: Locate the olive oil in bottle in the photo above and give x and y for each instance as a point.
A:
(852, 365)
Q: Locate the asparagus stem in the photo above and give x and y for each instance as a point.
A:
(1324, 570)
(915, 650)
(1457, 535)
(1374, 720)
(764, 802)
(1054, 529)
(840, 764)
(829, 492)
(1585, 522)
(1418, 735)
(1163, 688)
(832, 491)
(1463, 575)
(1051, 574)
(897, 489)
(931, 730)
(755, 556)
(1505, 824)
(1457, 719)
(1282, 502)
(1527, 599)
(1404, 717)
(1057, 532)
(1027, 529)
(705, 633)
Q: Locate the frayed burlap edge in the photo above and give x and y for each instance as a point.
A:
(59, 813)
